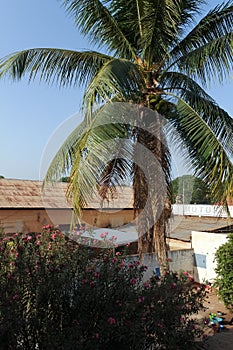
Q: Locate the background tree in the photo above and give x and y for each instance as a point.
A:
(157, 57)
(224, 280)
(190, 189)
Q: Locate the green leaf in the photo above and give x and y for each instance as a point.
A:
(63, 67)
(208, 156)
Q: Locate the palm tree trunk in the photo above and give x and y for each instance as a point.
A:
(151, 187)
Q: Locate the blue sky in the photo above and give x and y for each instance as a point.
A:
(31, 113)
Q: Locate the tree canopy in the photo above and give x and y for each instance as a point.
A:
(189, 189)
(224, 279)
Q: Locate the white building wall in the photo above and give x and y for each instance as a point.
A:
(181, 260)
(205, 245)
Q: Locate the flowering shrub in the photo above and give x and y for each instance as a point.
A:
(224, 279)
(57, 294)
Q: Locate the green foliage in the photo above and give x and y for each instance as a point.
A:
(224, 280)
(65, 179)
(189, 189)
(57, 294)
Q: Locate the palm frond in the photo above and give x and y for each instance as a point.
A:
(87, 153)
(63, 67)
(95, 21)
(214, 59)
(64, 158)
(220, 121)
(118, 79)
(162, 22)
(116, 173)
(207, 50)
(206, 153)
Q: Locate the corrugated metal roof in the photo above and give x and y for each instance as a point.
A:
(182, 226)
(30, 194)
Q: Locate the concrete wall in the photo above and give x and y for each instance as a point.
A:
(182, 260)
(205, 244)
(32, 220)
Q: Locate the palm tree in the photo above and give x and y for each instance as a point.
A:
(157, 59)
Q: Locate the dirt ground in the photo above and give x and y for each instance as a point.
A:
(221, 340)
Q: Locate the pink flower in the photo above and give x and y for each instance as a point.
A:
(92, 284)
(103, 235)
(137, 263)
(143, 268)
(97, 335)
(133, 281)
(96, 274)
(118, 253)
(141, 299)
(29, 238)
(111, 320)
(147, 285)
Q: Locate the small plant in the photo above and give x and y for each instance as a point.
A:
(224, 280)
